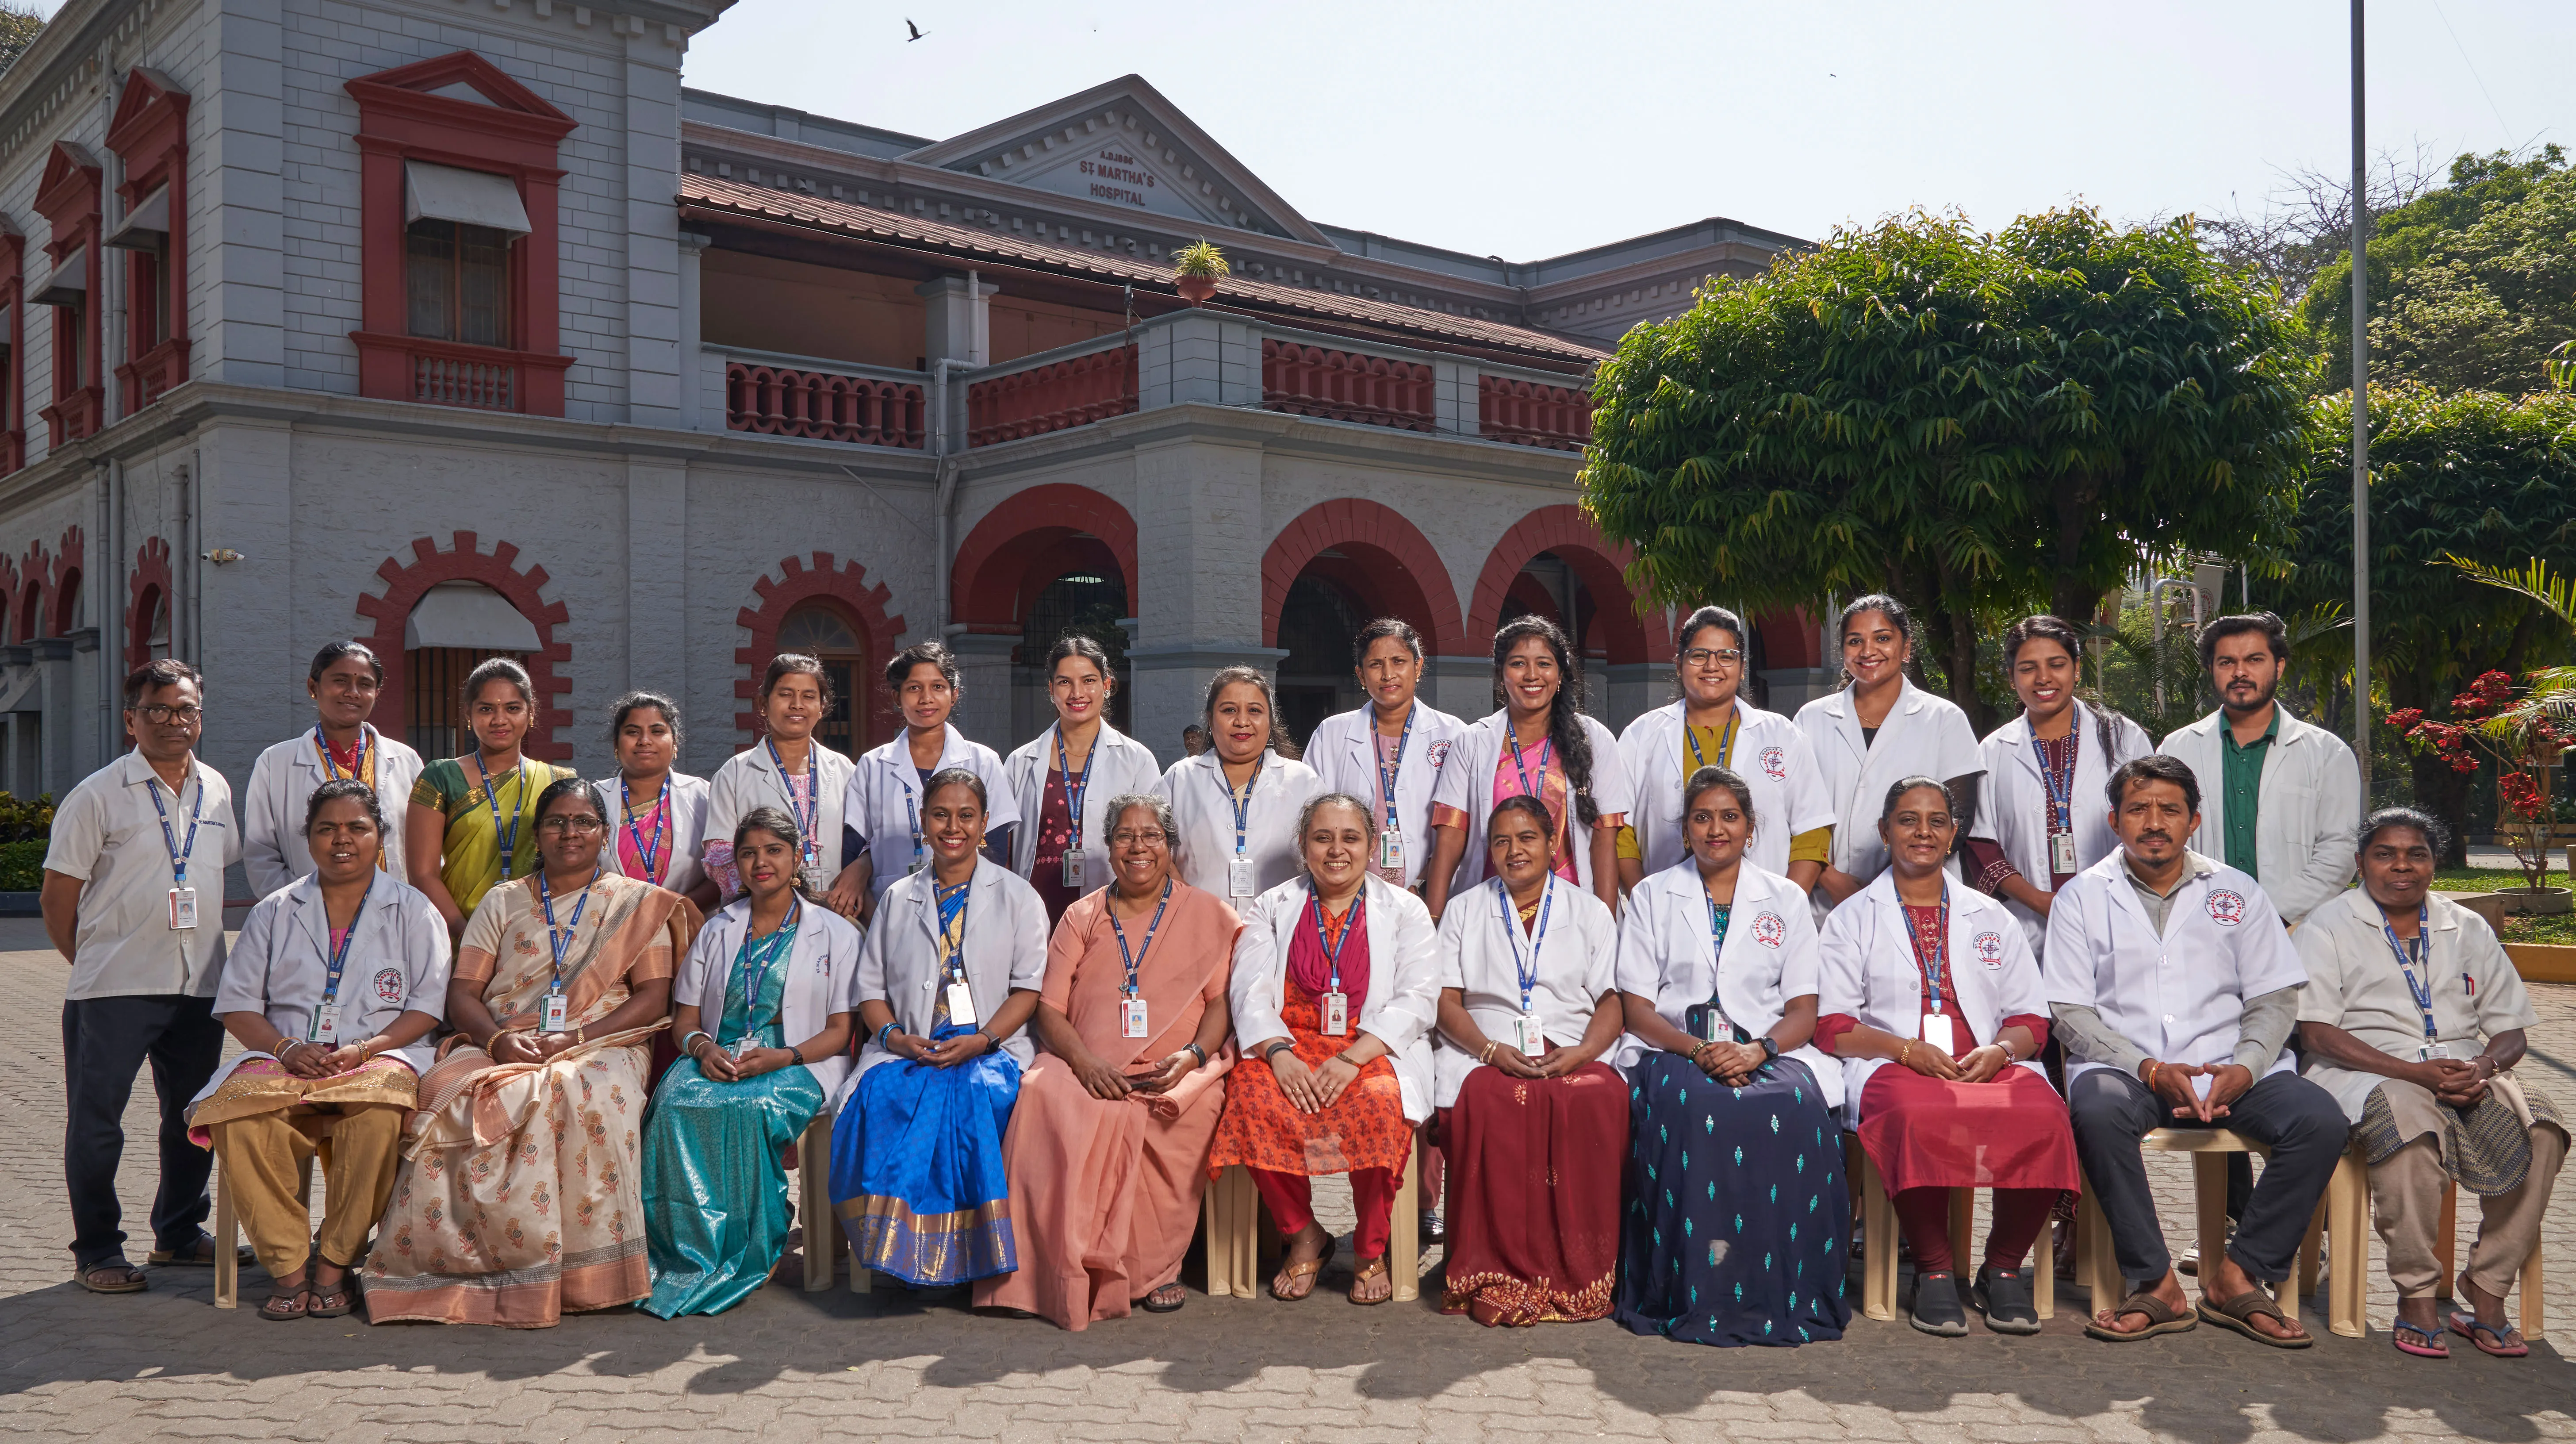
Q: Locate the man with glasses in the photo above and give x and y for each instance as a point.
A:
(134, 901)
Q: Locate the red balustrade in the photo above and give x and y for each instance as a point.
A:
(1527, 413)
(1054, 397)
(787, 401)
(455, 381)
(1339, 386)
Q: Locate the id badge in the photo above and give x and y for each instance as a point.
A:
(1936, 1031)
(1337, 1013)
(1715, 1028)
(557, 1017)
(961, 1004)
(2061, 853)
(2427, 1052)
(915, 867)
(183, 908)
(1073, 870)
(1238, 877)
(1131, 1018)
(1390, 849)
(815, 882)
(326, 1024)
(1526, 1036)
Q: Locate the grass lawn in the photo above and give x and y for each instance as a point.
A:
(2560, 929)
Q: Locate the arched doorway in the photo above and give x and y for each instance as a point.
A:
(1554, 563)
(455, 627)
(819, 630)
(1315, 626)
(1045, 560)
(1092, 602)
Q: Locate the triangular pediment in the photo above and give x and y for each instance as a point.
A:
(146, 92)
(64, 162)
(1123, 144)
(458, 78)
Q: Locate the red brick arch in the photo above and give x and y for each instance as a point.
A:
(845, 587)
(466, 562)
(13, 606)
(33, 570)
(1596, 560)
(151, 580)
(996, 576)
(62, 589)
(1387, 564)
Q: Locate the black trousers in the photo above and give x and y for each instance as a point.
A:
(106, 1041)
(2299, 1121)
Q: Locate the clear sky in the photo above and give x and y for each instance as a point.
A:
(1526, 130)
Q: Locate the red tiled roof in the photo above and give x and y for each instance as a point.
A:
(968, 243)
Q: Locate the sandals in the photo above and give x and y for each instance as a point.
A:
(2425, 1343)
(335, 1301)
(1374, 1268)
(2239, 1313)
(200, 1253)
(1304, 1274)
(1165, 1300)
(2508, 1340)
(294, 1301)
(115, 1276)
(2162, 1318)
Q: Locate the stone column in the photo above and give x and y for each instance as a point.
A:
(1460, 686)
(984, 712)
(695, 412)
(955, 324)
(1199, 539)
(1627, 689)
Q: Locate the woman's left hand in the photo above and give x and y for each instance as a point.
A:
(1983, 1064)
(1331, 1078)
(347, 1058)
(1173, 1070)
(956, 1048)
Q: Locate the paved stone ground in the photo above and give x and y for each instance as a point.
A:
(790, 1365)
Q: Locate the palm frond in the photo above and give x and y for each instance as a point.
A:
(2557, 593)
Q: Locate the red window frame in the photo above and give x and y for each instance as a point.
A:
(150, 134)
(13, 372)
(68, 199)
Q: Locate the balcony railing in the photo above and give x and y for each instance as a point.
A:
(1531, 413)
(451, 381)
(823, 405)
(1343, 386)
(1054, 397)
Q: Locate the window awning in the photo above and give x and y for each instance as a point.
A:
(468, 197)
(69, 284)
(147, 228)
(468, 614)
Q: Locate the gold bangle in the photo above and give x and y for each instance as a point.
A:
(1905, 1053)
(1488, 1055)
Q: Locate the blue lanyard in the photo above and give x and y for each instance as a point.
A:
(509, 840)
(1243, 807)
(1136, 959)
(1387, 777)
(179, 854)
(1075, 787)
(2061, 791)
(1355, 918)
(952, 936)
(1936, 967)
(2407, 957)
(1538, 792)
(1524, 959)
(764, 952)
(560, 940)
(661, 818)
(806, 817)
(1725, 743)
(331, 764)
(339, 958)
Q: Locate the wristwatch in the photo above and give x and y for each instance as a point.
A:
(1770, 1047)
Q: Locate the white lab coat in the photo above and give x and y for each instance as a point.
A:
(278, 969)
(1201, 804)
(2012, 803)
(1923, 736)
(2309, 817)
(1771, 754)
(1403, 999)
(883, 802)
(1119, 764)
(684, 832)
(1770, 958)
(281, 786)
(749, 779)
(1467, 784)
(822, 971)
(1869, 973)
(1576, 961)
(2181, 997)
(1343, 753)
(1005, 949)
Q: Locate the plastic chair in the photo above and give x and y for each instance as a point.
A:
(1241, 1242)
(227, 1229)
(1879, 1234)
(2530, 1286)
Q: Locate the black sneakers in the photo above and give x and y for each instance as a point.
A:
(2004, 1296)
(1937, 1309)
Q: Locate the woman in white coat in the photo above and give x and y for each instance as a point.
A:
(1539, 743)
(657, 818)
(2033, 831)
(789, 770)
(1709, 724)
(1938, 980)
(1876, 730)
(947, 982)
(332, 992)
(1238, 802)
(884, 837)
(1063, 778)
(343, 683)
(1389, 752)
(1335, 989)
(1533, 1122)
(1730, 1105)
(762, 1011)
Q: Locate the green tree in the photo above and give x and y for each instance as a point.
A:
(1972, 421)
(18, 30)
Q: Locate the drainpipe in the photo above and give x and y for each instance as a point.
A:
(945, 493)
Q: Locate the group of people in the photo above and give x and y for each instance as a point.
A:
(1623, 997)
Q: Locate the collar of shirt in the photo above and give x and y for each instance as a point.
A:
(2271, 732)
(2160, 905)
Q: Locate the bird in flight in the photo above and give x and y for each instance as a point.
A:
(915, 29)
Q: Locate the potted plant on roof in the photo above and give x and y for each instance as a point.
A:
(1196, 268)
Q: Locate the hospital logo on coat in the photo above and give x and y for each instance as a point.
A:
(1769, 930)
(1775, 764)
(389, 984)
(2226, 907)
(1438, 754)
(1990, 949)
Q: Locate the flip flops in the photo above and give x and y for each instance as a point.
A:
(2508, 1340)
(1296, 1274)
(2162, 1318)
(1372, 1269)
(2415, 1339)
(2238, 1314)
(113, 1276)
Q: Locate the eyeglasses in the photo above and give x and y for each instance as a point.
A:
(161, 714)
(1711, 657)
(572, 826)
(1130, 836)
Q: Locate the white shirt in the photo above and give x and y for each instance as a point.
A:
(1404, 977)
(281, 788)
(1004, 947)
(749, 779)
(2307, 821)
(2354, 984)
(1869, 972)
(1467, 784)
(2013, 804)
(1923, 736)
(1204, 807)
(1771, 754)
(2181, 997)
(281, 966)
(1483, 948)
(1343, 752)
(1665, 953)
(1117, 765)
(108, 834)
(883, 802)
(822, 972)
(683, 826)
